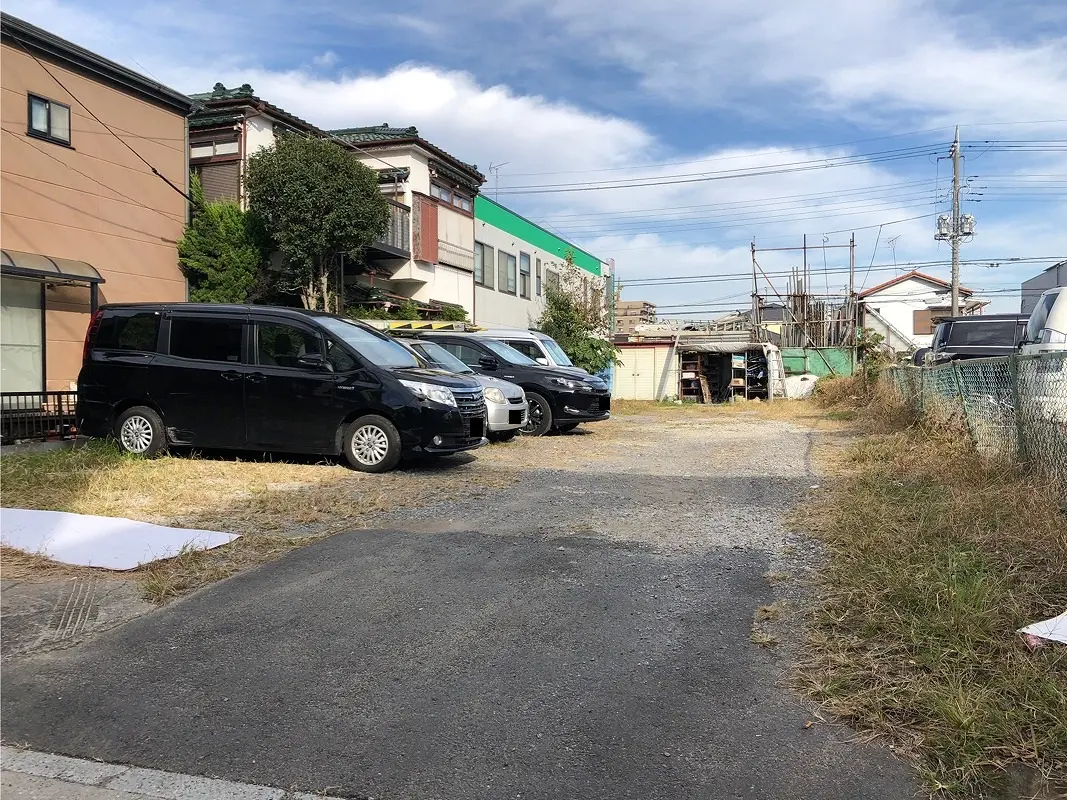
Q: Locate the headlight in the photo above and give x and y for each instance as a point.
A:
(430, 391)
(494, 395)
(568, 383)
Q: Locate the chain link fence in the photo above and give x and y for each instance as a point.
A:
(1013, 407)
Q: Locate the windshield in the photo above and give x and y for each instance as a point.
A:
(556, 352)
(509, 353)
(374, 347)
(983, 334)
(1040, 316)
(440, 357)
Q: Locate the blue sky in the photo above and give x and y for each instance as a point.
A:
(582, 92)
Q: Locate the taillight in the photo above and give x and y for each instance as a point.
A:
(90, 334)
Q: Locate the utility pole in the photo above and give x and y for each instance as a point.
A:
(854, 313)
(954, 229)
(956, 223)
(755, 288)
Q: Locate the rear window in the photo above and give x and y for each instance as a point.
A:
(983, 334)
(204, 339)
(134, 332)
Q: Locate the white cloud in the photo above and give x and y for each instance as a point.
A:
(843, 57)
(876, 57)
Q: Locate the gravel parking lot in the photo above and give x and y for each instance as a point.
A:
(597, 626)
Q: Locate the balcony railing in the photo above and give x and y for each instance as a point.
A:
(37, 416)
(397, 239)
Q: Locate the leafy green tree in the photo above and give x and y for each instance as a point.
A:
(220, 253)
(575, 317)
(316, 201)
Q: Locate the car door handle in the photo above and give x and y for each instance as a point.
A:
(232, 375)
(256, 377)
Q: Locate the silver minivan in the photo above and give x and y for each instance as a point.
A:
(506, 404)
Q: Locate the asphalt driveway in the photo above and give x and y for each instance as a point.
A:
(489, 662)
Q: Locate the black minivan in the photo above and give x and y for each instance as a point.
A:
(268, 379)
(561, 398)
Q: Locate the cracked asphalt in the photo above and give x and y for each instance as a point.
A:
(582, 634)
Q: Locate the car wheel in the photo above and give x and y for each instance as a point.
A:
(372, 444)
(504, 436)
(563, 427)
(139, 430)
(539, 418)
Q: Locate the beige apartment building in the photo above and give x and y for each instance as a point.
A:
(84, 217)
(631, 313)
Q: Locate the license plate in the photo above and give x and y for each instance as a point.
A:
(477, 427)
(515, 418)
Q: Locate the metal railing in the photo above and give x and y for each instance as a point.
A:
(398, 235)
(1014, 406)
(37, 416)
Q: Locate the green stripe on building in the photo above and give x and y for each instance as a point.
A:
(492, 213)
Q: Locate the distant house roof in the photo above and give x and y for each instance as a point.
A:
(922, 276)
(384, 134)
(38, 42)
(223, 107)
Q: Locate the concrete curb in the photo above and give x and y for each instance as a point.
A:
(151, 783)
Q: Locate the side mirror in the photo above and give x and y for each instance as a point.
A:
(542, 361)
(488, 362)
(312, 361)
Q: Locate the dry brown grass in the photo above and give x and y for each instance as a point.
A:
(937, 557)
(778, 409)
(228, 494)
(264, 500)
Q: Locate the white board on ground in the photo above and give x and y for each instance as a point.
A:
(1054, 629)
(109, 542)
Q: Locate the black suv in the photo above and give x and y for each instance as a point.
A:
(978, 336)
(268, 379)
(559, 397)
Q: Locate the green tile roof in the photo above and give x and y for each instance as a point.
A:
(372, 134)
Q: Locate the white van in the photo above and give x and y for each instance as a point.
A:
(1044, 390)
(541, 347)
(1046, 332)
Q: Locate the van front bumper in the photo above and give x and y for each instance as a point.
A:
(584, 407)
(445, 429)
(507, 416)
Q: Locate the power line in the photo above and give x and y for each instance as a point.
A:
(774, 150)
(29, 142)
(663, 245)
(910, 265)
(776, 169)
(106, 127)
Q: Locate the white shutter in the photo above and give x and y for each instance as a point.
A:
(20, 336)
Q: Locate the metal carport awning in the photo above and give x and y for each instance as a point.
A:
(64, 271)
(721, 347)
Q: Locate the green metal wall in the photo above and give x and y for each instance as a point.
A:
(819, 360)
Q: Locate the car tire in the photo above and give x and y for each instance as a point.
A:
(140, 432)
(563, 427)
(504, 436)
(539, 417)
(371, 444)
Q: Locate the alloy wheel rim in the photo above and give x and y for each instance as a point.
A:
(136, 434)
(534, 416)
(370, 444)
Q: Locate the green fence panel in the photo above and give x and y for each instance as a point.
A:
(819, 361)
